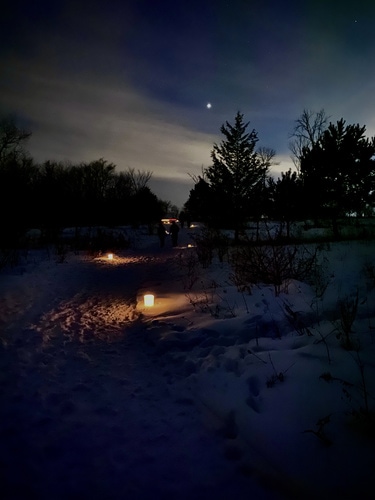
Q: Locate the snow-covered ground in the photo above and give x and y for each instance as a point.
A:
(211, 393)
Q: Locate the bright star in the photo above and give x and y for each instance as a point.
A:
(209, 105)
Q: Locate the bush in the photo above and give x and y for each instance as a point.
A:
(348, 308)
(209, 241)
(272, 263)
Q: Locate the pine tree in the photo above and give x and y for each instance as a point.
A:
(285, 199)
(338, 172)
(200, 201)
(235, 174)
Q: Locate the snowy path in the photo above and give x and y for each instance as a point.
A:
(90, 408)
(102, 398)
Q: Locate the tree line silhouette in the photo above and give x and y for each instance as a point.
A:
(56, 195)
(334, 176)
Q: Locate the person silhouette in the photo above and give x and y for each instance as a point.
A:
(161, 234)
(174, 233)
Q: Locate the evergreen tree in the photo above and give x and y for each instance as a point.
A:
(285, 199)
(235, 174)
(146, 208)
(199, 204)
(338, 173)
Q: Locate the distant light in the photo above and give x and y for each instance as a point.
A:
(209, 105)
(148, 300)
(190, 245)
(170, 220)
(110, 256)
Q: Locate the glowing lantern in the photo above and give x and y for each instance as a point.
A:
(110, 256)
(148, 300)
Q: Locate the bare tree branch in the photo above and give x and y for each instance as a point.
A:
(307, 131)
(11, 139)
(139, 179)
(266, 156)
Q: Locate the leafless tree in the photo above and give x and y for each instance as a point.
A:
(11, 139)
(139, 179)
(266, 156)
(195, 178)
(308, 128)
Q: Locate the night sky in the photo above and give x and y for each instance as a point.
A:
(129, 81)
